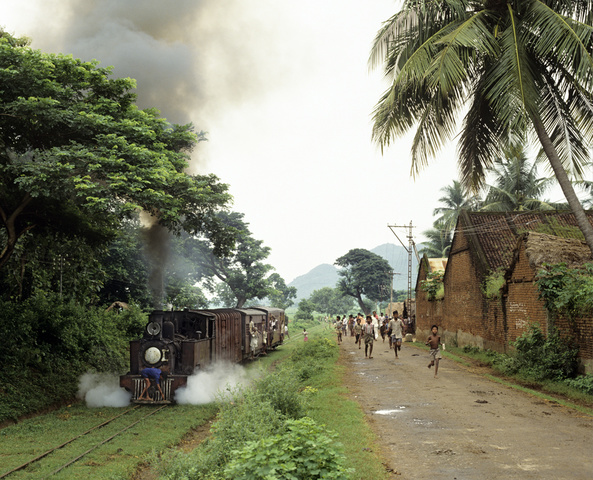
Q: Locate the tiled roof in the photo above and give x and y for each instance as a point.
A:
(495, 234)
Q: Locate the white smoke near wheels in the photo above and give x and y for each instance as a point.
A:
(203, 385)
(102, 390)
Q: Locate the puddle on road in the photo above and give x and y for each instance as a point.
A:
(390, 412)
(418, 421)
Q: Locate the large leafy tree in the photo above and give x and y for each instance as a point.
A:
(331, 301)
(280, 295)
(239, 276)
(362, 273)
(77, 155)
(518, 69)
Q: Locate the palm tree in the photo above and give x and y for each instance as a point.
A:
(588, 187)
(518, 69)
(517, 186)
(454, 200)
(439, 241)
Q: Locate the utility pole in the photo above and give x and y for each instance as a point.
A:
(392, 273)
(410, 248)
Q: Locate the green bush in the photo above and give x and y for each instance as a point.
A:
(305, 451)
(543, 358)
(305, 360)
(254, 416)
(51, 343)
(493, 283)
(281, 389)
(583, 383)
(433, 285)
(567, 291)
(243, 417)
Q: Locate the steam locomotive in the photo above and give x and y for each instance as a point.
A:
(180, 342)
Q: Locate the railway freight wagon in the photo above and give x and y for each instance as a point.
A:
(180, 342)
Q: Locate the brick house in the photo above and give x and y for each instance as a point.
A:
(522, 301)
(428, 312)
(486, 251)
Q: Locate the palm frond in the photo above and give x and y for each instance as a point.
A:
(561, 38)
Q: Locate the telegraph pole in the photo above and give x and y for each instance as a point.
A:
(410, 248)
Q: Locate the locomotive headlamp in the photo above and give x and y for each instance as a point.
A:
(153, 328)
(152, 355)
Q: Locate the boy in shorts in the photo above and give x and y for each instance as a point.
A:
(397, 332)
(434, 342)
(368, 330)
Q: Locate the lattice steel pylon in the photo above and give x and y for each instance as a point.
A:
(411, 247)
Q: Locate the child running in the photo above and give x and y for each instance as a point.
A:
(396, 326)
(339, 328)
(369, 336)
(434, 342)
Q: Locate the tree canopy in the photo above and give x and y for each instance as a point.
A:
(241, 275)
(362, 275)
(517, 70)
(516, 186)
(77, 155)
(331, 301)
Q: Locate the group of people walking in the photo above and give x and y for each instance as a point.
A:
(394, 328)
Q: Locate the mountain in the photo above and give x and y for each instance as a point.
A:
(326, 275)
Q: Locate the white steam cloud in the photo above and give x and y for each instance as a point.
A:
(203, 385)
(102, 390)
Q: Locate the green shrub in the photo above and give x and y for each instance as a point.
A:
(52, 343)
(567, 291)
(493, 283)
(305, 360)
(433, 285)
(281, 389)
(541, 357)
(583, 383)
(244, 416)
(253, 414)
(305, 451)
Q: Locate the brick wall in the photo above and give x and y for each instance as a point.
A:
(524, 308)
(463, 308)
(466, 317)
(580, 330)
(427, 312)
(523, 305)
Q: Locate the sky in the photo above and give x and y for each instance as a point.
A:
(284, 92)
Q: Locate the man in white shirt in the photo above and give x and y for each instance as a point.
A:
(397, 332)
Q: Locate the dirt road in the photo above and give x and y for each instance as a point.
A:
(461, 425)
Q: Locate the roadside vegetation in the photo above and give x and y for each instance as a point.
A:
(49, 344)
(547, 364)
(295, 419)
(287, 424)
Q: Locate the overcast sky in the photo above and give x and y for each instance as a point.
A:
(283, 90)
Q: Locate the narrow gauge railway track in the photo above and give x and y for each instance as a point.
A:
(77, 437)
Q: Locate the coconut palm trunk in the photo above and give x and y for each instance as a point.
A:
(564, 182)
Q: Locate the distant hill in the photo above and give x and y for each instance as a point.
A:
(326, 275)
